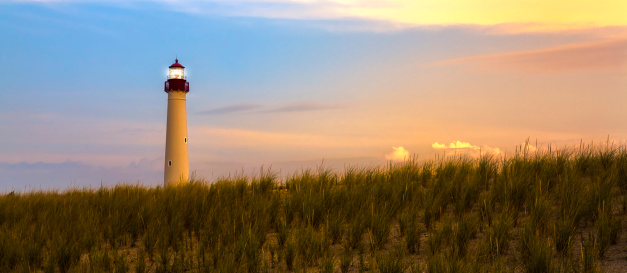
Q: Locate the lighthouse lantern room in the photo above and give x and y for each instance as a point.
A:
(176, 78)
(176, 169)
(177, 71)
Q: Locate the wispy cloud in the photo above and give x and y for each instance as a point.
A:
(244, 138)
(582, 29)
(302, 107)
(604, 55)
(231, 109)
(289, 107)
(64, 175)
(536, 15)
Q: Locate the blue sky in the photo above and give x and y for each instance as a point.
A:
(288, 84)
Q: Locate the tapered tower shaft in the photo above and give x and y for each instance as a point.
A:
(176, 170)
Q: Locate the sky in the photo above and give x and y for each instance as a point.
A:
(290, 85)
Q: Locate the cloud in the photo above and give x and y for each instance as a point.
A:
(399, 154)
(230, 109)
(529, 148)
(286, 108)
(77, 174)
(603, 55)
(302, 107)
(541, 14)
(455, 145)
(233, 138)
(581, 29)
(465, 147)
(438, 146)
(553, 13)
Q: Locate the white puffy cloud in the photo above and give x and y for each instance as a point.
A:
(398, 154)
(490, 150)
(466, 147)
(529, 148)
(438, 146)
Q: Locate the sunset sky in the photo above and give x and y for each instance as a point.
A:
(293, 84)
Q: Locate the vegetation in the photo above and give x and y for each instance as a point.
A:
(550, 211)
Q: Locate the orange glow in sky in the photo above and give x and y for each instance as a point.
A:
(549, 13)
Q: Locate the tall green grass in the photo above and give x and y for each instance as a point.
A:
(452, 214)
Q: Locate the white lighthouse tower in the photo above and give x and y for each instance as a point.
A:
(176, 154)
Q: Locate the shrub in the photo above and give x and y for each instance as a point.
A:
(563, 230)
(119, 262)
(333, 227)
(394, 262)
(440, 236)
(536, 252)
(100, 261)
(355, 231)
(380, 224)
(497, 237)
(290, 255)
(327, 263)
(346, 260)
(539, 214)
(608, 229)
(412, 238)
(310, 245)
(65, 253)
(140, 264)
(589, 254)
(464, 232)
(282, 232)
(437, 264)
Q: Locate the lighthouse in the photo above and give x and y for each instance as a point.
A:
(176, 168)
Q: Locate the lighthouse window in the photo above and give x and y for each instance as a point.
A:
(185, 140)
(170, 163)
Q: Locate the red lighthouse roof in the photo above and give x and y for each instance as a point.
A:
(176, 64)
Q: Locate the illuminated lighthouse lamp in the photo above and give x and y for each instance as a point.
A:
(176, 78)
(177, 71)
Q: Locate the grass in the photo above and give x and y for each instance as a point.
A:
(526, 212)
(536, 251)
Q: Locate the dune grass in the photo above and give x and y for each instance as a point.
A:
(548, 211)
